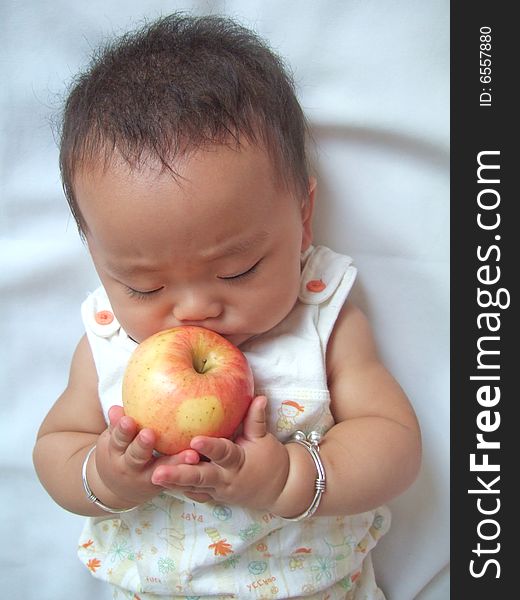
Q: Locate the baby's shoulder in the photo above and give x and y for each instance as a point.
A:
(351, 343)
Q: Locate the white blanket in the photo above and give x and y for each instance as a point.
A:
(373, 78)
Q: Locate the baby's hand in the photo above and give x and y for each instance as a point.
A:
(251, 471)
(124, 462)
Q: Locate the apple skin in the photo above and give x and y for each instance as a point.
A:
(187, 381)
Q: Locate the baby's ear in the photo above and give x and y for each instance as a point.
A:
(307, 213)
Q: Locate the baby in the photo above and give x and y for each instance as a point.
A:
(183, 158)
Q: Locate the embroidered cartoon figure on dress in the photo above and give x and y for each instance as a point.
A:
(297, 558)
(288, 411)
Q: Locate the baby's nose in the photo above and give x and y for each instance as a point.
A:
(196, 308)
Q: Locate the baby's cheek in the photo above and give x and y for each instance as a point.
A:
(281, 301)
(141, 324)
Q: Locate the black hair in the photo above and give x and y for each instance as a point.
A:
(178, 84)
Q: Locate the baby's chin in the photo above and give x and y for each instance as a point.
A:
(238, 338)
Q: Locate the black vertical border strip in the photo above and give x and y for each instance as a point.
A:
(487, 539)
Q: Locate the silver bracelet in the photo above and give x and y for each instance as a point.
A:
(311, 443)
(91, 497)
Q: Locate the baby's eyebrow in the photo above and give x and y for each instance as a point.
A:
(237, 246)
(124, 271)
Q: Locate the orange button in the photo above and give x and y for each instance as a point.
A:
(316, 285)
(104, 317)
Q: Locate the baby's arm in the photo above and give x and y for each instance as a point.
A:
(373, 453)
(119, 472)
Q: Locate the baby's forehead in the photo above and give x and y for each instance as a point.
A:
(219, 162)
(213, 191)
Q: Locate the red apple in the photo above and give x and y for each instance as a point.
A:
(184, 382)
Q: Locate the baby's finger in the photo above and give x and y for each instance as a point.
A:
(186, 457)
(255, 423)
(220, 451)
(114, 415)
(122, 434)
(140, 450)
(198, 478)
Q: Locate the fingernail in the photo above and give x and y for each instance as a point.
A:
(197, 445)
(145, 437)
(192, 458)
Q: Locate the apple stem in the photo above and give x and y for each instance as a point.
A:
(200, 365)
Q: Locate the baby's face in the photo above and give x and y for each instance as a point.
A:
(219, 248)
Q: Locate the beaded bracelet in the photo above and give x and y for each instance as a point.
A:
(311, 443)
(91, 497)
